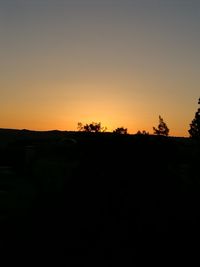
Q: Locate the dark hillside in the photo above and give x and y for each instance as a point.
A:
(74, 197)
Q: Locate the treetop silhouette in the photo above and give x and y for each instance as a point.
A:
(162, 128)
(120, 130)
(92, 127)
(194, 130)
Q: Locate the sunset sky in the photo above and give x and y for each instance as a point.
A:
(118, 62)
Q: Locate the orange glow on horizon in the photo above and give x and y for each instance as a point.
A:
(102, 103)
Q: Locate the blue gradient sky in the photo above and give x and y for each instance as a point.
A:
(120, 62)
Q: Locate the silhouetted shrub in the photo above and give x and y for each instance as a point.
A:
(120, 130)
(142, 132)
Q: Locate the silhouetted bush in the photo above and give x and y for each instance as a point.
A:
(142, 132)
(120, 130)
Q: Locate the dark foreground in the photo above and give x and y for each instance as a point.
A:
(75, 198)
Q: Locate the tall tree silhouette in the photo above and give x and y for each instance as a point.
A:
(162, 128)
(194, 130)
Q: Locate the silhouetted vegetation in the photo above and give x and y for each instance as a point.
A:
(162, 128)
(120, 130)
(92, 127)
(142, 132)
(194, 130)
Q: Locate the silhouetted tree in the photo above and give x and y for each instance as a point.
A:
(162, 128)
(194, 130)
(120, 130)
(92, 127)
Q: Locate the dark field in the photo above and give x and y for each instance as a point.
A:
(73, 197)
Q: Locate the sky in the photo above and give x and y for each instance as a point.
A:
(118, 62)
